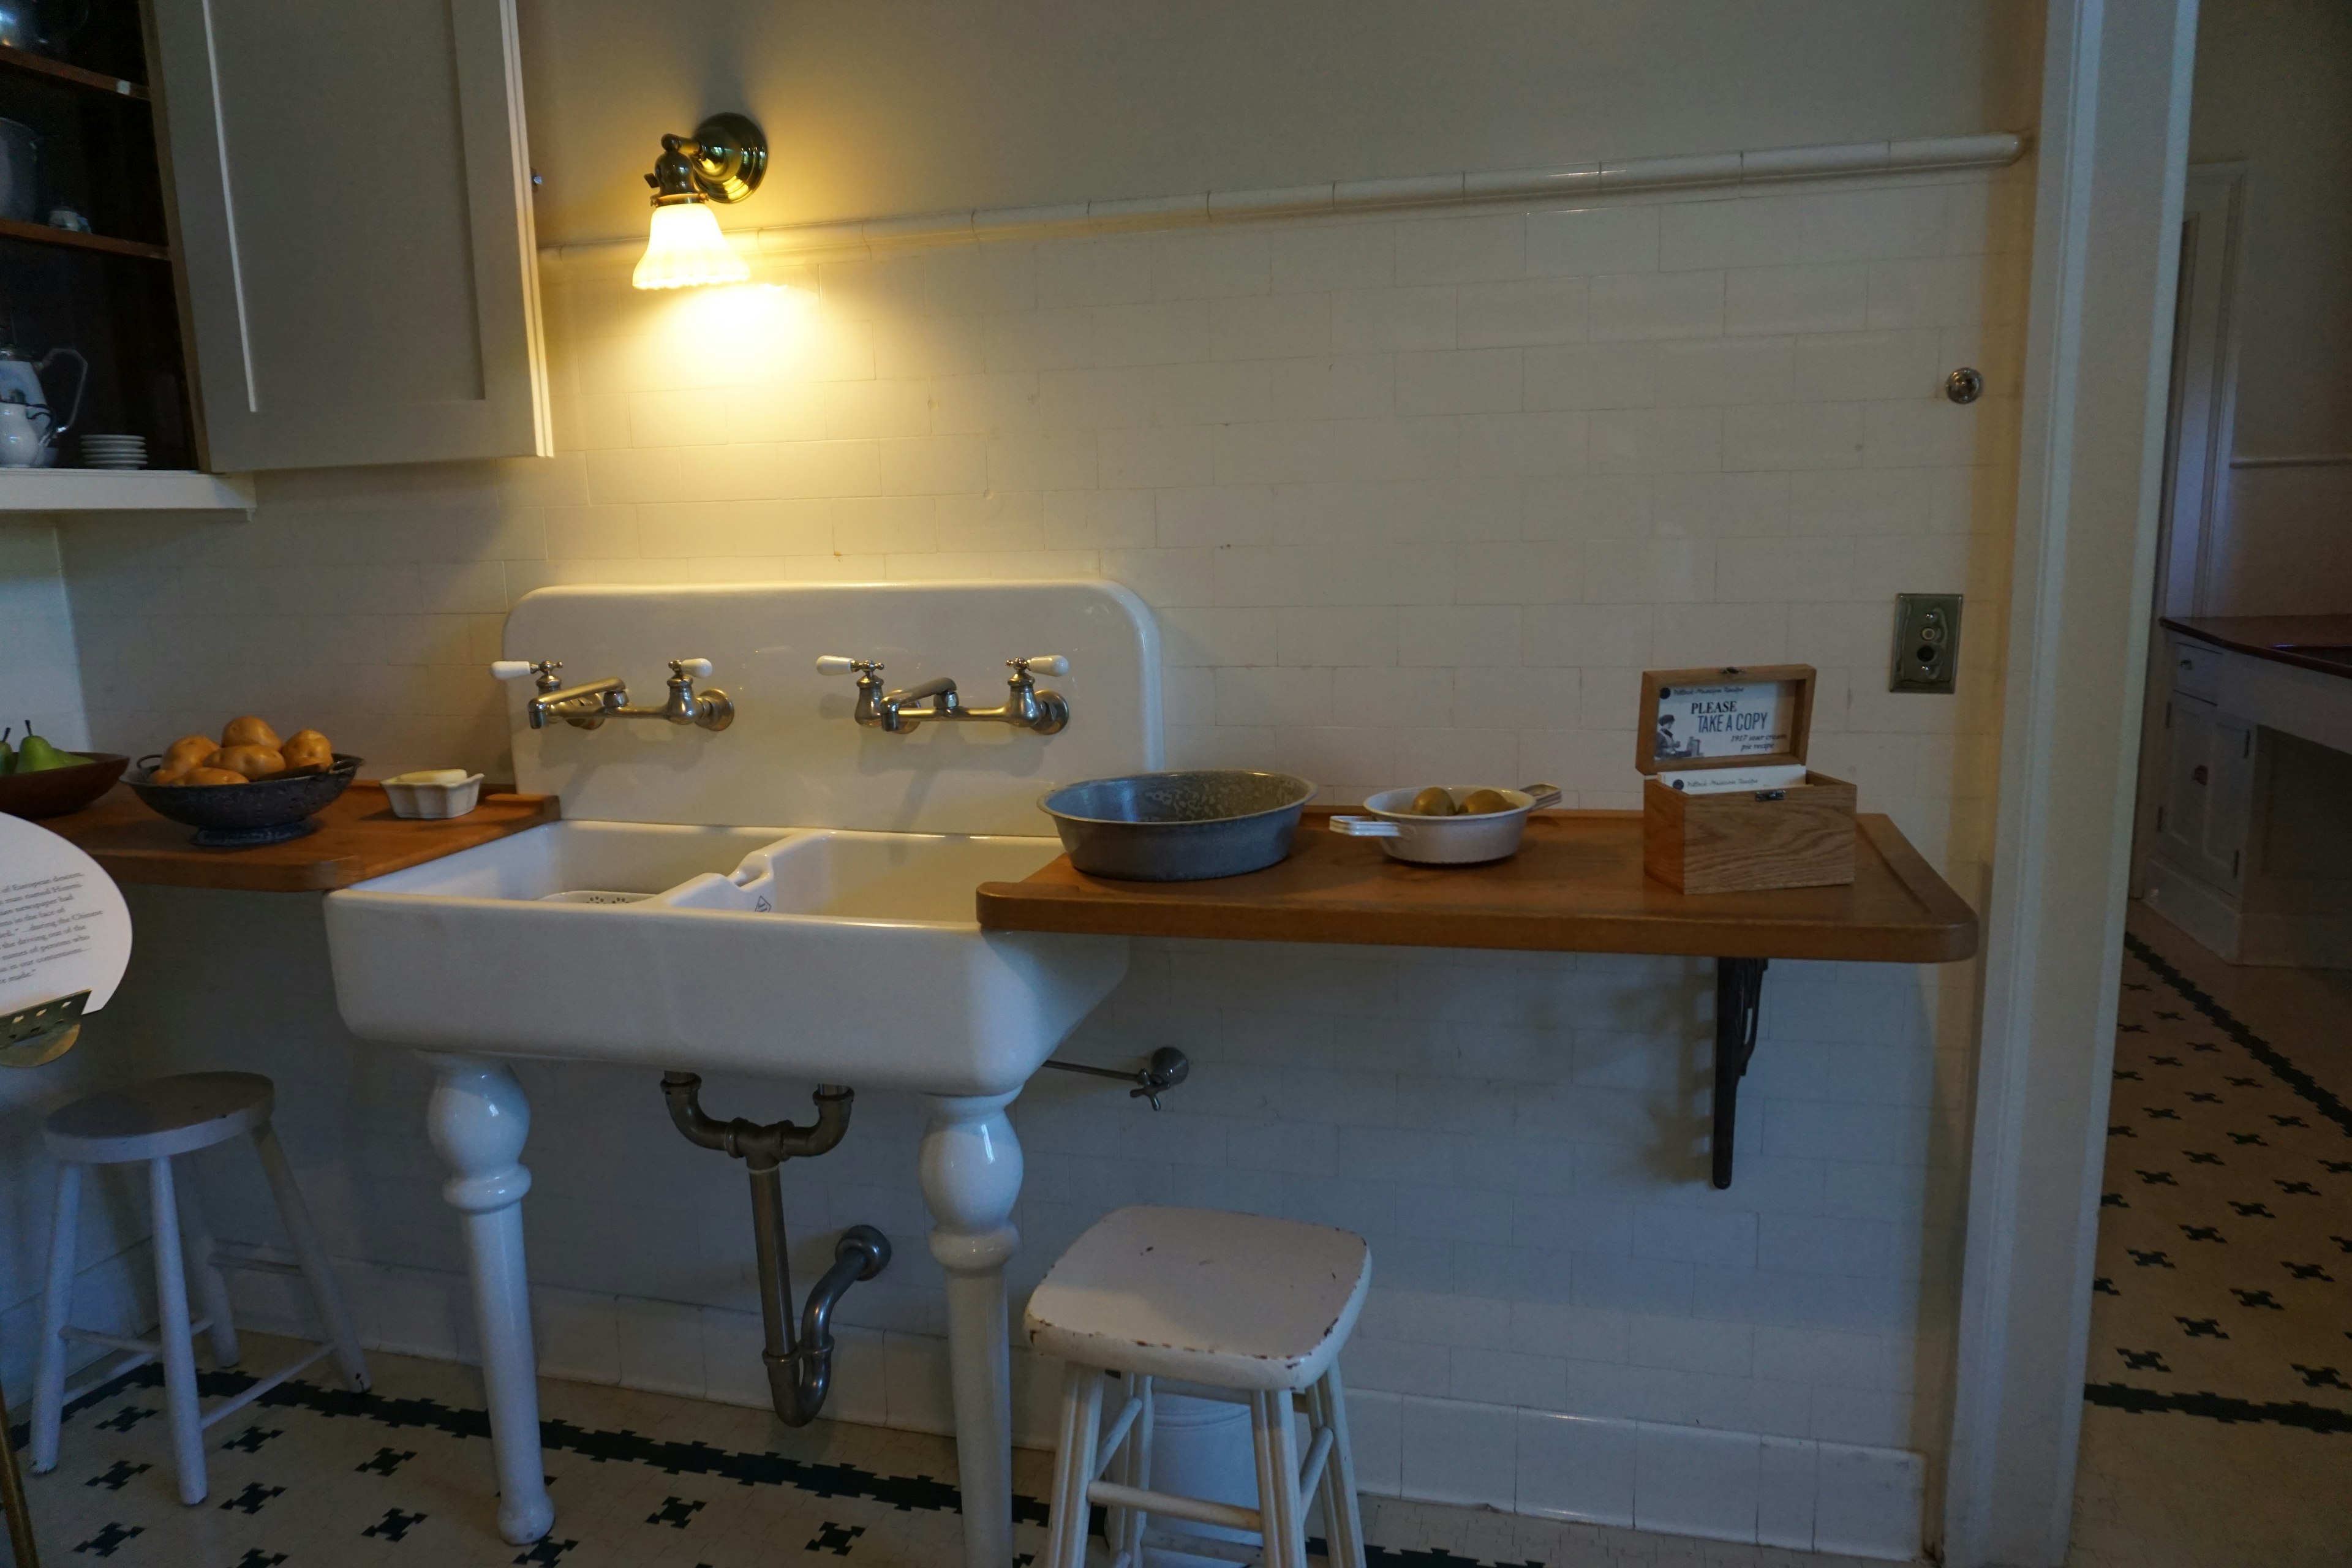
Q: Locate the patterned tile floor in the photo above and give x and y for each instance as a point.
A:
(401, 1476)
(2218, 1427)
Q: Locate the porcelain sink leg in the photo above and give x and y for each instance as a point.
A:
(478, 1119)
(971, 1169)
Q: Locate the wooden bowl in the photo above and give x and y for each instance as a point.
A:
(53, 792)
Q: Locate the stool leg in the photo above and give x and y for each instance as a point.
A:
(1127, 1524)
(57, 1305)
(1074, 1468)
(1281, 1512)
(1342, 1524)
(318, 1269)
(212, 1290)
(179, 1348)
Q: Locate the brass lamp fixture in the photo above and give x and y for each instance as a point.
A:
(721, 162)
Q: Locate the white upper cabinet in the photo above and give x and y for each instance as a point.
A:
(353, 204)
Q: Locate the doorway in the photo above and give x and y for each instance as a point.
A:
(2218, 1422)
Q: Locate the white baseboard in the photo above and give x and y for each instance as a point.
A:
(2203, 912)
(1679, 1480)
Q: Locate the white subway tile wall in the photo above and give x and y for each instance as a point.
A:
(1414, 497)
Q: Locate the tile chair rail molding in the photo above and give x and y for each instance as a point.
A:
(1760, 167)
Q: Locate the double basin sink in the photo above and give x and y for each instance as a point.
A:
(822, 954)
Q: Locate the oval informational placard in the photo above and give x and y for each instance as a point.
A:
(64, 928)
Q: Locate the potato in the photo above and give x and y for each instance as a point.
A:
(213, 776)
(248, 761)
(250, 731)
(308, 749)
(190, 750)
(172, 772)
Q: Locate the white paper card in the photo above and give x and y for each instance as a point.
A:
(1721, 781)
(1735, 719)
(63, 924)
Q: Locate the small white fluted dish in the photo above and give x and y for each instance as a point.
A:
(1468, 840)
(433, 794)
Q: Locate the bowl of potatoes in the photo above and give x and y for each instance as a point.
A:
(247, 787)
(1440, 826)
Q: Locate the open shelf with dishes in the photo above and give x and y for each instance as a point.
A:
(93, 373)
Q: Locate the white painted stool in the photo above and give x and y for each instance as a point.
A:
(1232, 1306)
(151, 1123)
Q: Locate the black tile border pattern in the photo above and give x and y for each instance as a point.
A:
(744, 1467)
(2306, 1088)
(2215, 1406)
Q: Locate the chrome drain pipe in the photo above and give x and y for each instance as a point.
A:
(799, 1365)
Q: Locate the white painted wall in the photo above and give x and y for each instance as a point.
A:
(40, 679)
(904, 106)
(1411, 496)
(2275, 90)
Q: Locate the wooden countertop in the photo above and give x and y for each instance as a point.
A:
(358, 839)
(1575, 886)
(2322, 643)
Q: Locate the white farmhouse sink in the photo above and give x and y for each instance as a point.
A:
(821, 956)
(661, 923)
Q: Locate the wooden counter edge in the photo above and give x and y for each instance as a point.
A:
(1949, 935)
(229, 870)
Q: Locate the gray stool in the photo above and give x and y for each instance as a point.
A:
(150, 1122)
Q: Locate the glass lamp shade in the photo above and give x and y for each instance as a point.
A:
(685, 250)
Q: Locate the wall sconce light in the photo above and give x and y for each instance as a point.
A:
(721, 162)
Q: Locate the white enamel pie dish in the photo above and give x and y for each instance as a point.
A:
(1465, 840)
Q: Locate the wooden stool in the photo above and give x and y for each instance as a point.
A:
(1234, 1307)
(151, 1123)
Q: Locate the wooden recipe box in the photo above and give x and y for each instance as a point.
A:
(1798, 834)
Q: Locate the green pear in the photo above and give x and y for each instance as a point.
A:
(7, 753)
(38, 756)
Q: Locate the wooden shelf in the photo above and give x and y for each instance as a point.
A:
(57, 71)
(358, 839)
(118, 489)
(1575, 886)
(43, 234)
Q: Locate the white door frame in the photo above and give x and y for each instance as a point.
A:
(2114, 158)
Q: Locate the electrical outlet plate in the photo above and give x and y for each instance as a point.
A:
(1926, 642)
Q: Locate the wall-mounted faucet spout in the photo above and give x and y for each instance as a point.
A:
(1025, 705)
(798, 1363)
(587, 705)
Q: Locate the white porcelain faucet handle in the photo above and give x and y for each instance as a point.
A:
(1045, 664)
(512, 668)
(693, 667)
(842, 664)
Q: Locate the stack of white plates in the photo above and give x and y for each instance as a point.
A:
(114, 451)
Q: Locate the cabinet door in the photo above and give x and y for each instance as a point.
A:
(2208, 792)
(351, 186)
(2188, 763)
(2229, 808)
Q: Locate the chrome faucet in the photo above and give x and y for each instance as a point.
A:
(1025, 707)
(587, 705)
